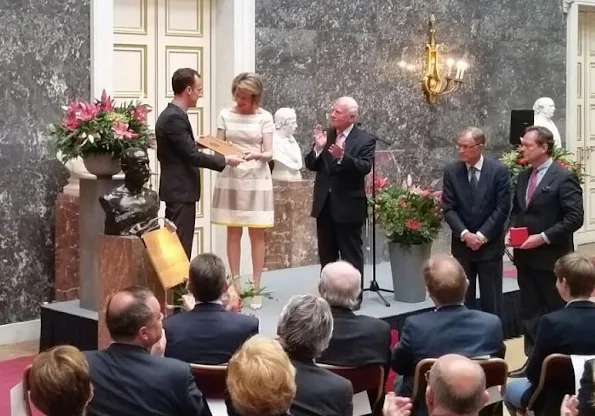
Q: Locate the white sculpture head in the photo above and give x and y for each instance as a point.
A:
(544, 106)
(285, 121)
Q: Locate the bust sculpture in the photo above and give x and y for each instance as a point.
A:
(544, 109)
(131, 209)
(287, 154)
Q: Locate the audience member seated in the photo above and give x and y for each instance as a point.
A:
(357, 340)
(586, 392)
(260, 379)
(127, 379)
(304, 329)
(565, 331)
(208, 334)
(59, 382)
(456, 387)
(450, 328)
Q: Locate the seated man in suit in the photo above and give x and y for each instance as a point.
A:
(127, 379)
(566, 331)
(208, 334)
(451, 328)
(357, 340)
(304, 329)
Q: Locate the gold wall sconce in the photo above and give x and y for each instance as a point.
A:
(433, 83)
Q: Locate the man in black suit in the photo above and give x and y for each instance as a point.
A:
(304, 329)
(179, 157)
(208, 334)
(341, 162)
(357, 340)
(476, 201)
(127, 379)
(548, 201)
(569, 330)
(449, 329)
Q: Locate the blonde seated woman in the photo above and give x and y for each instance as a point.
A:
(260, 379)
(59, 382)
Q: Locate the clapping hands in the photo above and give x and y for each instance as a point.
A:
(319, 138)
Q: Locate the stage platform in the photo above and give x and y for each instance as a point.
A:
(66, 322)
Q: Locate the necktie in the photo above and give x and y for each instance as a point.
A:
(532, 185)
(340, 140)
(473, 178)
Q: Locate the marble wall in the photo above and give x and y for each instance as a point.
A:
(312, 52)
(45, 61)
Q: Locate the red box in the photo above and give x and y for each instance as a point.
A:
(518, 236)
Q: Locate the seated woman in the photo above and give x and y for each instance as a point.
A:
(260, 379)
(566, 331)
(59, 382)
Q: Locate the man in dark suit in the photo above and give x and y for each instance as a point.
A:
(179, 157)
(304, 329)
(586, 392)
(449, 329)
(358, 340)
(208, 334)
(476, 201)
(341, 162)
(548, 201)
(127, 379)
(569, 330)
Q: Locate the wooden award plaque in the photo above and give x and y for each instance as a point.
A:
(167, 256)
(222, 147)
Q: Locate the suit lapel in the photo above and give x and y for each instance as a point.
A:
(549, 176)
(484, 177)
(351, 140)
(464, 181)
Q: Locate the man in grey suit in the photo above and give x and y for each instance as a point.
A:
(127, 378)
(179, 157)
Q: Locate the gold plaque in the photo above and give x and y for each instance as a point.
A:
(220, 146)
(167, 256)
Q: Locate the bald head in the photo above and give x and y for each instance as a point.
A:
(445, 279)
(128, 311)
(457, 384)
(340, 284)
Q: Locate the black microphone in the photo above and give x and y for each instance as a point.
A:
(374, 136)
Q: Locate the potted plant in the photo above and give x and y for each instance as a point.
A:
(412, 218)
(516, 162)
(99, 132)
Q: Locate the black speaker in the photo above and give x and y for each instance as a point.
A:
(519, 121)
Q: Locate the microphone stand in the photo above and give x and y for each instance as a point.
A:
(374, 287)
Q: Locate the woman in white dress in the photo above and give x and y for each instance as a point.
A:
(243, 195)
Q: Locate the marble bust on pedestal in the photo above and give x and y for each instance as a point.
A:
(131, 209)
(287, 154)
(544, 109)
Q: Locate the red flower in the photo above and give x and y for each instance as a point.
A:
(106, 104)
(139, 113)
(559, 162)
(412, 224)
(121, 131)
(522, 161)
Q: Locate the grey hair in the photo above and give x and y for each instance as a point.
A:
(305, 326)
(339, 284)
(351, 105)
(477, 134)
(282, 115)
(450, 397)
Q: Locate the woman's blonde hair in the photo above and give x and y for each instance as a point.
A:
(59, 382)
(260, 378)
(249, 82)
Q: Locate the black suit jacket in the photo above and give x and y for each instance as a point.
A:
(556, 209)
(485, 211)
(357, 340)
(180, 158)
(452, 329)
(128, 381)
(586, 392)
(344, 180)
(320, 392)
(208, 334)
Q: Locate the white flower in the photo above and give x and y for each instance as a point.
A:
(91, 138)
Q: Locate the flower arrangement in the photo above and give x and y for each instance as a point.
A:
(101, 128)
(409, 214)
(515, 163)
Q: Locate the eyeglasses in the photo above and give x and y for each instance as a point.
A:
(467, 146)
